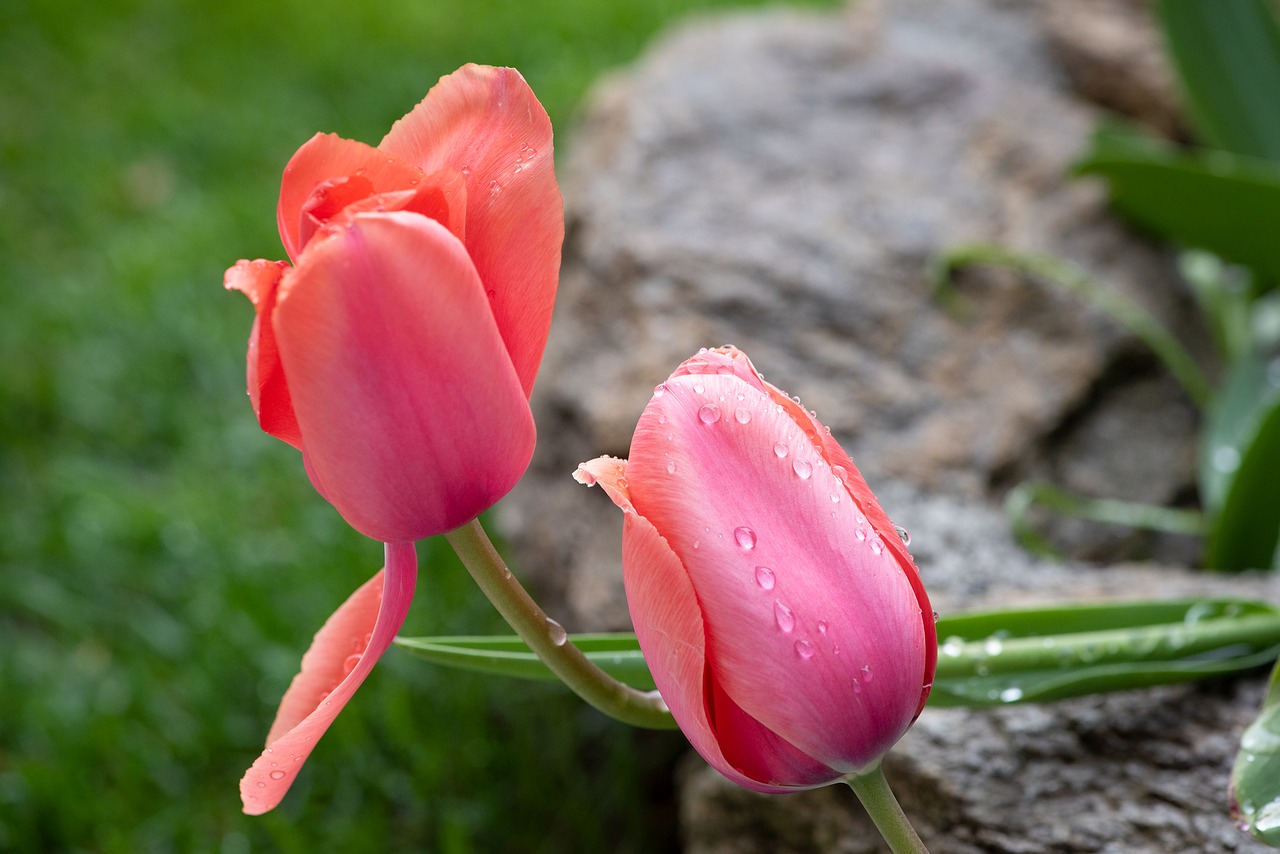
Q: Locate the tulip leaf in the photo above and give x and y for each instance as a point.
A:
(1255, 778)
(1238, 461)
(617, 654)
(1043, 654)
(1215, 200)
(1227, 54)
(990, 657)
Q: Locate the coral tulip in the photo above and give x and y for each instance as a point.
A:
(398, 351)
(783, 620)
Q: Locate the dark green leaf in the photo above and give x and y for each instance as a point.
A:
(1227, 55)
(1238, 465)
(1228, 204)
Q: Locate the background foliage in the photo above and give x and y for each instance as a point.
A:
(163, 564)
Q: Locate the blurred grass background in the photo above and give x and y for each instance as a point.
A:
(163, 564)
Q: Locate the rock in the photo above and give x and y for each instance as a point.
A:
(779, 180)
(1113, 54)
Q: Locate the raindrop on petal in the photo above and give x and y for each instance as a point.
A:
(786, 619)
(709, 413)
(765, 577)
(805, 649)
(277, 775)
(671, 467)
(745, 538)
(802, 469)
(743, 415)
(866, 673)
(903, 535)
(780, 449)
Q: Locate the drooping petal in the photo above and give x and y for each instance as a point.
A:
(268, 390)
(413, 420)
(341, 656)
(812, 626)
(486, 124)
(325, 158)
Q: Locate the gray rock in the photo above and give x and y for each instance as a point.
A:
(779, 181)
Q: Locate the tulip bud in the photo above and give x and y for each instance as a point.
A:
(776, 605)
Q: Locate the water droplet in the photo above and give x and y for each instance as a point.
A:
(861, 535)
(857, 686)
(780, 450)
(835, 498)
(466, 170)
(698, 388)
(935, 615)
(786, 619)
(697, 543)
(804, 649)
(261, 785)
(495, 189)
(349, 663)
(556, 632)
(876, 547)
(670, 436)
(822, 627)
(671, 466)
(660, 389)
(743, 415)
(1226, 459)
(1011, 695)
(277, 775)
(745, 538)
(271, 750)
(840, 473)
(802, 469)
(992, 646)
(765, 577)
(709, 413)
(866, 673)
(903, 535)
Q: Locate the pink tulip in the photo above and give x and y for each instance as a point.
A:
(783, 619)
(399, 351)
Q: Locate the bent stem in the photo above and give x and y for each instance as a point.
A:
(547, 638)
(878, 800)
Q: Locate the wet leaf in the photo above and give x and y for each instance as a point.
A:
(1255, 778)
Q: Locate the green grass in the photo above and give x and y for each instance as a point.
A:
(163, 564)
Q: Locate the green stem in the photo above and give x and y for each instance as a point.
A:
(547, 638)
(1072, 278)
(878, 800)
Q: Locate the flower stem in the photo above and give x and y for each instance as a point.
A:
(876, 796)
(547, 638)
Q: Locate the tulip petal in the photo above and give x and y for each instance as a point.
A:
(664, 610)
(326, 158)
(486, 124)
(268, 391)
(413, 420)
(341, 656)
(812, 624)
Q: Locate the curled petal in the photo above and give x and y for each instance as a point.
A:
(412, 417)
(268, 390)
(486, 124)
(333, 161)
(341, 656)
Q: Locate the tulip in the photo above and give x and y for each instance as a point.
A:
(399, 349)
(776, 605)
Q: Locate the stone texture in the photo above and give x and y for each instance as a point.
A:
(1112, 52)
(779, 181)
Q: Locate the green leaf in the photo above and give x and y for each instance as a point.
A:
(1239, 459)
(1226, 203)
(990, 657)
(1227, 55)
(615, 654)
(1255, 778)
(1044, 654)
